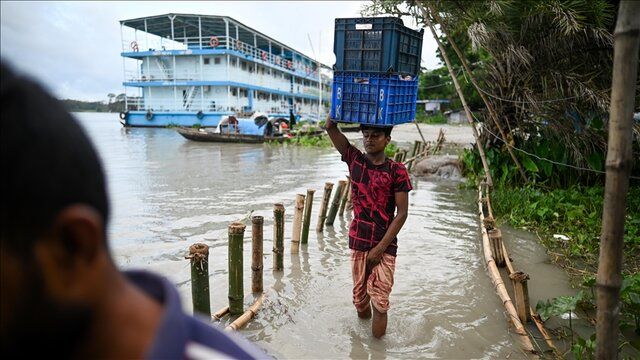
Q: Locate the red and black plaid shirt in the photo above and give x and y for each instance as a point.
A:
(373, 189)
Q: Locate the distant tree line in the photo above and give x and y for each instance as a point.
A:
(115, 103)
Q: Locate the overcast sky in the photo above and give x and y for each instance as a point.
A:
(74, 47)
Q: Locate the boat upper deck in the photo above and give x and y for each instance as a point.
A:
(192, 34)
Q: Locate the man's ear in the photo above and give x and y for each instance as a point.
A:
(73, 241)
(80, 231)
(70, 251)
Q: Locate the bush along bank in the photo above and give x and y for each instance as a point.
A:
(565, 210)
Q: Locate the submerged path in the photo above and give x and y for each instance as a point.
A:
(168, 193)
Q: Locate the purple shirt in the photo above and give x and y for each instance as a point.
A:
(181, 336)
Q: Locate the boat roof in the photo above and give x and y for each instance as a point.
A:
(187, 26)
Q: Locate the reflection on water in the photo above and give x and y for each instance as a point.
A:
(168, 193)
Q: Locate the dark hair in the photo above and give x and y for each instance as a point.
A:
(47, 160)
(385, 129)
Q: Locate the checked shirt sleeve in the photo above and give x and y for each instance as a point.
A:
(401, 180)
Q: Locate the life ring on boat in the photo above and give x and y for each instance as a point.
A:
(278, 60)
(289, 64)
(134, 46)
(149, 115)
(200, 115)
(264, 56)
(214, 42)
(124, 115)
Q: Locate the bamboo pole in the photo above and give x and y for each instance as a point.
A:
(521, 293)
(220, 313)
(199, 258)
(619, 163)
(349, 205)
(495, 239)
(243, 319)
(419, 131)
(543, 331)
(278, 237)
(414, 153)
(297, 224)
(397, 155)
(308, 205)
(467, 111)
(333, 211)
(257, 249)
(487, 103)
(324, 206)
(236, 285)
(498, 284)
(345, 196)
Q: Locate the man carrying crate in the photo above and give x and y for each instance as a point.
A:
(379, 188)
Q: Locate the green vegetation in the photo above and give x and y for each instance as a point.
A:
(423, 118)
(584, 305)
(575, 212)
(114, 104)
(391, 149)
(310, 141)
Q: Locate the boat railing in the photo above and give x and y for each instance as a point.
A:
(194, 103)
(161, 75)
(302, 68)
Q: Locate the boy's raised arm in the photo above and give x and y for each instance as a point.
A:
(337, 137)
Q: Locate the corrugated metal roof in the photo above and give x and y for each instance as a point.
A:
(186, 25)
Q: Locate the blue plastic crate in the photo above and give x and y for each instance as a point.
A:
(374, 98)
(380, 44)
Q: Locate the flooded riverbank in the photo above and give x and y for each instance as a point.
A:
(168, 193)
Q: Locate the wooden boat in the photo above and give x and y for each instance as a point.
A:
(231, 137)
(254, 130)
(210, 136)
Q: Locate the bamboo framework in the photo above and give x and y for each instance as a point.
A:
(521, 312)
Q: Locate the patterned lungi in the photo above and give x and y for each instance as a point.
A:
(377, 286)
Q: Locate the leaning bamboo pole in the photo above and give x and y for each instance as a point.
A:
(324, 206)
(619, 162)
(333, 211)
(345, 196)
(538, 321)
(236, 284)
(199, 259)
(467, 110)
(220, 313)
(308, 205)
(492, 113)
(278, 237)
(297, 223)
(256, 254)
(247, 315)
(414, 153)
(496, 279)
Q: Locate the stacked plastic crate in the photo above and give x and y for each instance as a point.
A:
(375, 78)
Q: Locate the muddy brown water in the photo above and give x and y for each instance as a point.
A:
(168, 193)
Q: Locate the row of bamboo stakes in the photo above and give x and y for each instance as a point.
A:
(303, 205)
(419, 150)
(199, 253)
(496, 255)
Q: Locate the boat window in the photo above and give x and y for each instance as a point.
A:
(234, 92)
(206, 61)
(216, 60)
(243, 65)
(233, 61)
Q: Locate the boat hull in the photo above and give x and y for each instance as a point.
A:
(164, 119)
(207, 136)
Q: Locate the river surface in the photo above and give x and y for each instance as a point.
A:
(168, 193)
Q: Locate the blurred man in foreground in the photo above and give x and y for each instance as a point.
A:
(62, 294)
